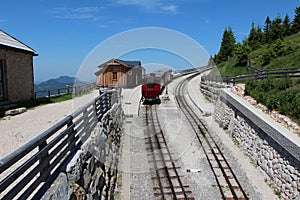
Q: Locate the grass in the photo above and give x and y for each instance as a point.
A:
(61, 98)
(230, 68)
(42, 101)
(292, 59)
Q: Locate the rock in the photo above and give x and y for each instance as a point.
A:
(279, 183)
(291, 169)
(271, 155)
(263, 165)
(80, 193)
(267, 155)
(275, 161)
(16, 111)
(294, 184)
(270, 164)
(294, 177)
(287, 186)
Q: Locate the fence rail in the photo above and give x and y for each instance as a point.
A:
(76, 89)
(262, 74)
(27, 172)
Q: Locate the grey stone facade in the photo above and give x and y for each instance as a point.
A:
(17, 74)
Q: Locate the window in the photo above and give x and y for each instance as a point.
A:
(115, 77)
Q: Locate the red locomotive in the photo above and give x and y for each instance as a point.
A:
(153, 86)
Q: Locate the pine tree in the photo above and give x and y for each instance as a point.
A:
(227, 46)
(211, 62)
(276, 29)
(267, 30)
(241, 53)
(256, 36)
(286, 26)
(296, 22)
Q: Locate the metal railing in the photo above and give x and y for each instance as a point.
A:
(29, 171)
(262, 74)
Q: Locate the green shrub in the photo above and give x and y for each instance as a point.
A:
(282, 95)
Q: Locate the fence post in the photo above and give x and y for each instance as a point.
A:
(72, 134)
(48, 93)
(43, 158)
(67, 89)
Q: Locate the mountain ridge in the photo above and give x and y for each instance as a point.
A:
(55, 83)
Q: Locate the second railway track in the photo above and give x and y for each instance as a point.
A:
(227, 182)
(167, 183)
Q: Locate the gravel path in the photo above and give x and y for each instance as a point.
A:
(17, 130)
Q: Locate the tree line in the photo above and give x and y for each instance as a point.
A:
(271, 33)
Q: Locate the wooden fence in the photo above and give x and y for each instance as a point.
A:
(29, 171)
(75, 90)
(260, 74)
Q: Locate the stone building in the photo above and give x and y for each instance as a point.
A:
(119, 73)
(16, 71)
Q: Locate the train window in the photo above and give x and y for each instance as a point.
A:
(115, 76)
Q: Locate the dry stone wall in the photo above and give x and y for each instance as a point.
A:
(211, 89)
(92, 172)
(275, 154)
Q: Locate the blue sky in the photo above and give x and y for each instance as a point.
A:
(64, 32)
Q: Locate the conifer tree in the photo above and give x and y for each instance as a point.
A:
(276, 29)
(286, 26)
(227, 46)
(267, 30)
(241, 53)
(296, 22)
(256, 36)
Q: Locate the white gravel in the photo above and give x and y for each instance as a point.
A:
(17, 130)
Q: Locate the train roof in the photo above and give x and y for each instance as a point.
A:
(161, 72)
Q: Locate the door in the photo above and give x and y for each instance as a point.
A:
(1, 81)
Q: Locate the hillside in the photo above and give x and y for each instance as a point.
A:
(52, 84)
(288, 56)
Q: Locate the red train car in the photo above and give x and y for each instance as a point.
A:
(153, 86)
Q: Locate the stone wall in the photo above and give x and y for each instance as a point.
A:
(92, 172)
(211, 89)
(276, 154)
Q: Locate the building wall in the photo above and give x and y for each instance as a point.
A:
(121, 78)
(18, 75)
(126, 77)
(99, 80)
(134, 77)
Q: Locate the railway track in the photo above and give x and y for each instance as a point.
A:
(166, 180)
(227, 182)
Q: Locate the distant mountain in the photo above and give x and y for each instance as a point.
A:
(57, 83)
